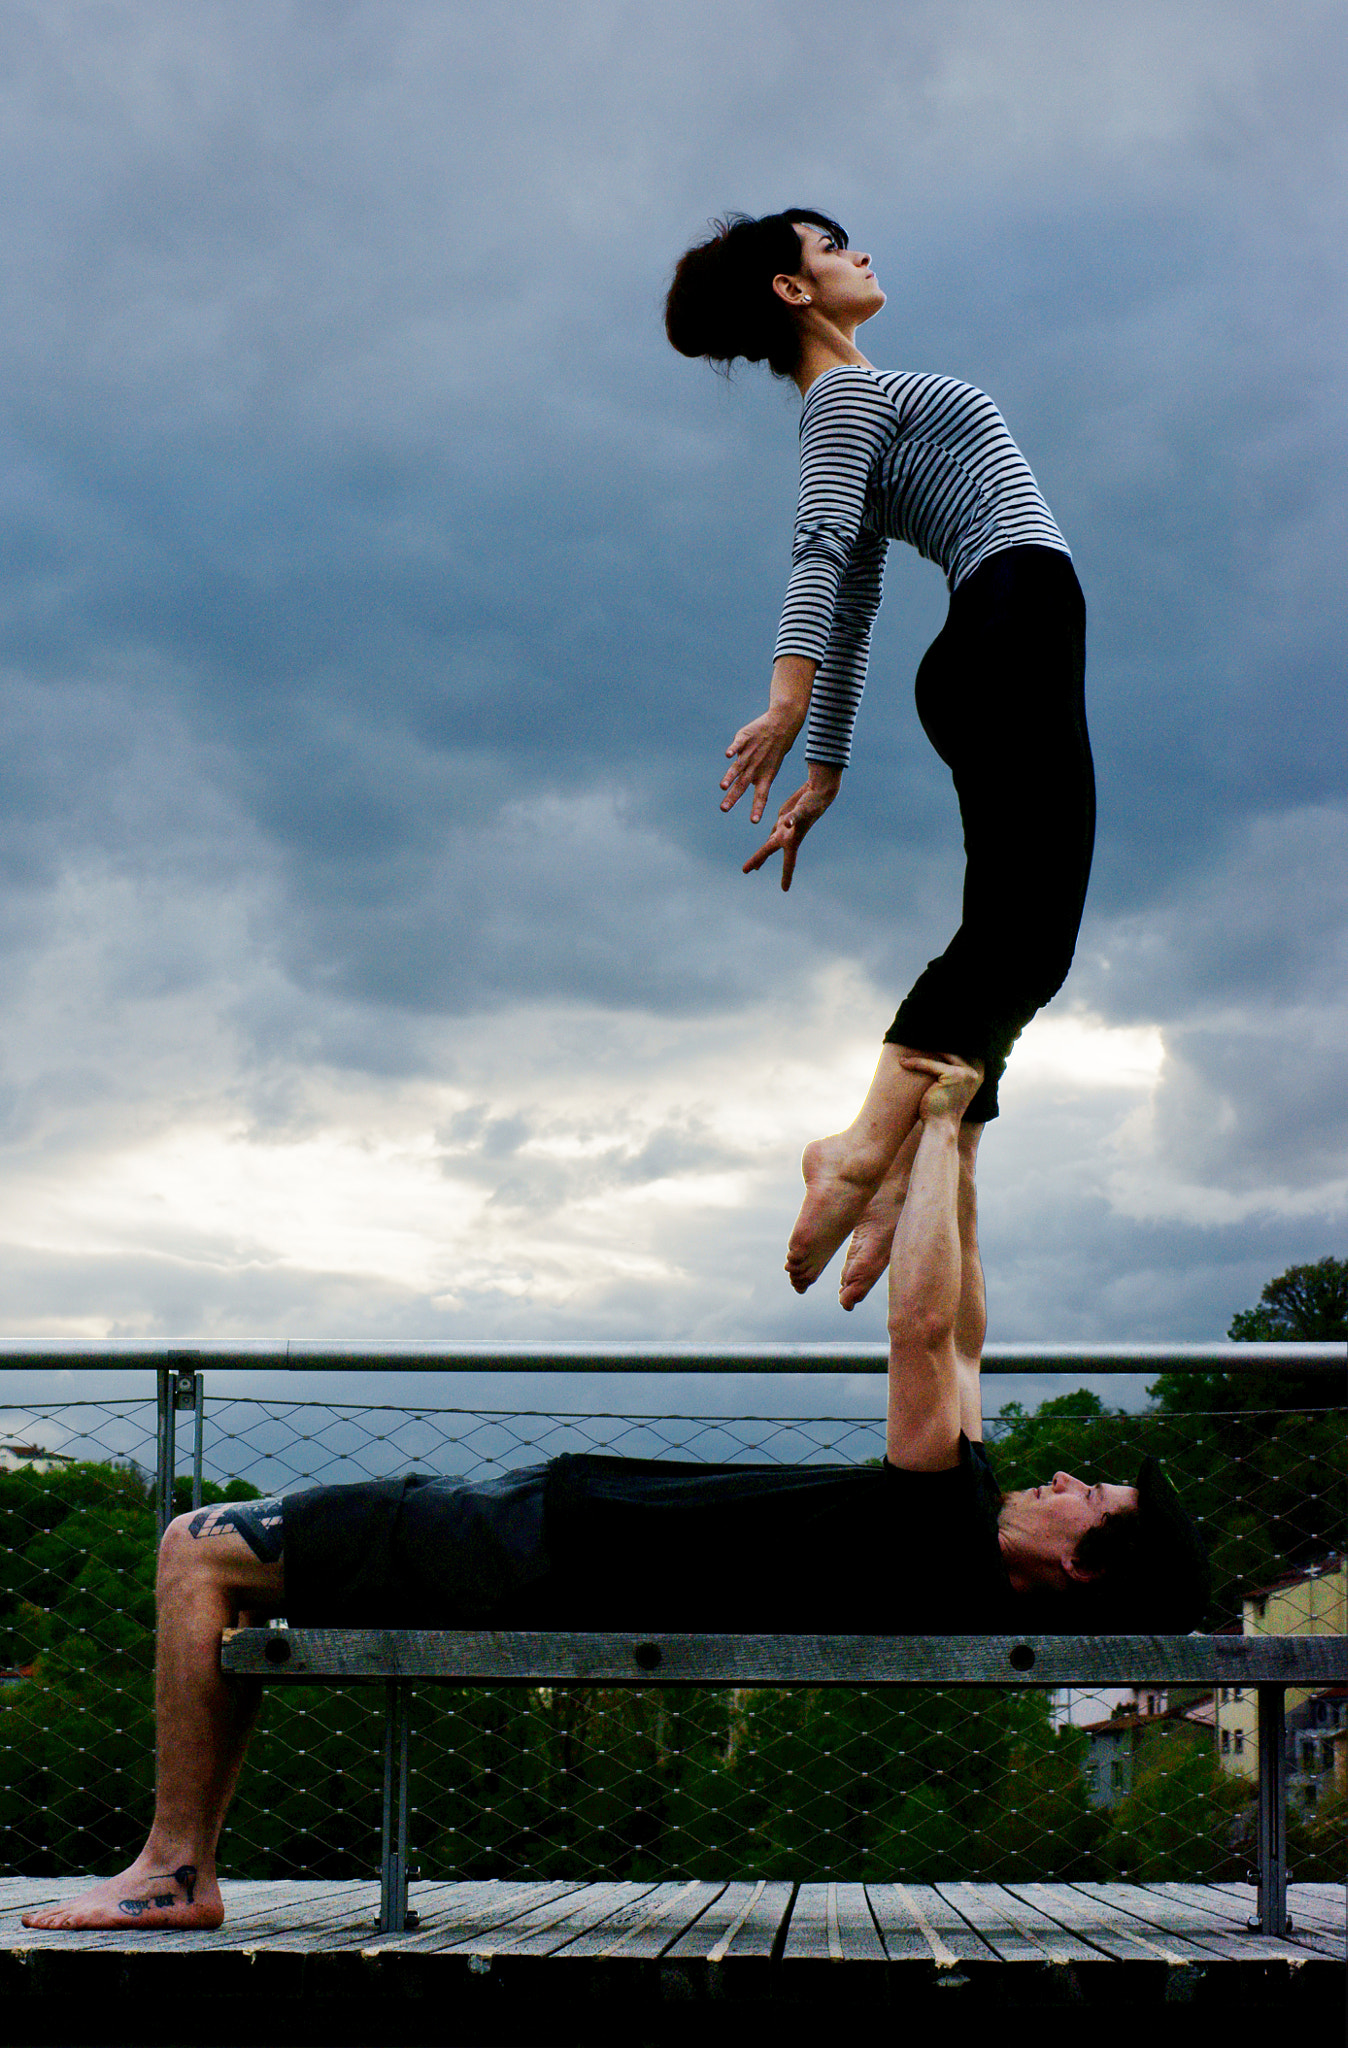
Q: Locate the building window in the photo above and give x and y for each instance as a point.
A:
(1237, 1692)
(1116, 1774)
(1226, 1742)
(1240, 1742)
(1225, 1694)
(1326, 1756)
(1309, 1794)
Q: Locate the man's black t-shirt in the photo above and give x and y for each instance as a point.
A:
(590, 1542)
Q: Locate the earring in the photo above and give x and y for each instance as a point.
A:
(805, 299)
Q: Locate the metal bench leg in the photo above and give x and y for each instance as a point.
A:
(1272, 1917)
(393, 1872)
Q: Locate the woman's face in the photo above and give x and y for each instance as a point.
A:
(839, 282)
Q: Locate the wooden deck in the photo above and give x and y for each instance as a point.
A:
(555, 1962)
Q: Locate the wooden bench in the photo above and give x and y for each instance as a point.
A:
(399, 1658)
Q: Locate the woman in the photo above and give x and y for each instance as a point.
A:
(928, 460)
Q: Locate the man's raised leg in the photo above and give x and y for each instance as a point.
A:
(208, 1573)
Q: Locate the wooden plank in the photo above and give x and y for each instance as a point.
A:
(363, 1656)
(746, 1922)
(650, 1925)
(451, 1912)
(543, 1930)
(472, 1910)
(300, 1913)
(1170, 1919)
(987, 1910)
(916, 1923)
(1007, 1914)
(1321, 1906)
(1102, 1931)
(1318, 1940)
(832, 1922)
(857, 1934)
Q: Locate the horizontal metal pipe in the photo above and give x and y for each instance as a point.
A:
(394, 1355)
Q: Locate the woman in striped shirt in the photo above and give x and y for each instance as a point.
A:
(928, 460)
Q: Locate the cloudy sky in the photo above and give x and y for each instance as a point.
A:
(380, 591)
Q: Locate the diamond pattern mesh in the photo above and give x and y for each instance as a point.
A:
(541, 1782)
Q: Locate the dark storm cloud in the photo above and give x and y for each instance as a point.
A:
(397, 499)
(379, 592)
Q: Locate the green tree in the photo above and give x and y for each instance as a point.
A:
(1183, 1810)
(1305, 1302)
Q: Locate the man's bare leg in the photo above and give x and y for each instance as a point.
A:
(844, 1173)
(208, 1573)
(971, 1324)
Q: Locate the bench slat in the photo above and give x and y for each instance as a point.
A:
(520, 1657)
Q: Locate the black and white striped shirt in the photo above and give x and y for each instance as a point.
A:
(887, 456)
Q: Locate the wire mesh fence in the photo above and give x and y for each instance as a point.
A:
(543, 1782)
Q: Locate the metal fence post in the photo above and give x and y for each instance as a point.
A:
(1272, 1916)
(165, 1450)
(198, 1432)
(394, 1916)
(180, 1385)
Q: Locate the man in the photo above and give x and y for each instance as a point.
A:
(921, 1543)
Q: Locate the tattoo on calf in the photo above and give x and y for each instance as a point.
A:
(185, 1876)
(261, 1523)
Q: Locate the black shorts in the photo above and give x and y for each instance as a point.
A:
(419, 1551)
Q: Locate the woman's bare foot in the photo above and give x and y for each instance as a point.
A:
(873, 1238)
(176, 1896)
(843, 1173)
(839, 1186)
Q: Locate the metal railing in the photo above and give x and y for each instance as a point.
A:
(551, 1779)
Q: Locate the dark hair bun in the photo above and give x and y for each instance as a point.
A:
(721, 304)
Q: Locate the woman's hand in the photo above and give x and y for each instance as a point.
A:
(759, 748)
(795, 818)
(758, 751)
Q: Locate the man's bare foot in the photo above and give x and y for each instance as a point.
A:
(838, 1188)
(144, 1896)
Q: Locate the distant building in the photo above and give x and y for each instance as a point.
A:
(1072, 1706)
(1315, 1750)
(1118, 1744)
(15, 1457)
(1310, 1602)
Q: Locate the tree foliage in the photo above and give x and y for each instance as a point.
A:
(1305, 1302)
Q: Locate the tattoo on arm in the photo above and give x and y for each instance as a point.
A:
(261, 1523)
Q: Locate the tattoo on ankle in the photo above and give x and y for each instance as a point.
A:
(185, 1876)
(261, 1524)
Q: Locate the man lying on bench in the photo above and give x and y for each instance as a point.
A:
(923, 1543)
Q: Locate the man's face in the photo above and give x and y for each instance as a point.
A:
(1054, 1517)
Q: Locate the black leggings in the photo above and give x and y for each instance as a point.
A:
(1000, 693)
